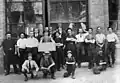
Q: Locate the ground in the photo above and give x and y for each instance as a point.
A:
(83, 75)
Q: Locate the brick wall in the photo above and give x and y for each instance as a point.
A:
(119, 16)
(98, 14)
(2, 31)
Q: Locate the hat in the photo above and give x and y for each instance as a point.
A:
(29, 54)
(46, 52)
(69, 51)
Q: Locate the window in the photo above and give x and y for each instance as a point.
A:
(113, 13)
(67, 11)
(24, 15)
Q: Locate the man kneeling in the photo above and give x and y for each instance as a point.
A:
(30, 67)
(47, 65)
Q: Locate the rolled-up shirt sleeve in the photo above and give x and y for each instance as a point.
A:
(36, 66)
(24, 66)
(117, 39)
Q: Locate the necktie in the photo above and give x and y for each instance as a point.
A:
(29, 66)
(80, 35)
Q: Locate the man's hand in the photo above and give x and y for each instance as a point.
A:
(18, 54)
(15, 52)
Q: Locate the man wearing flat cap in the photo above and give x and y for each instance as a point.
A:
(47, 65)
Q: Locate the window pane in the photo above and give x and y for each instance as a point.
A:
(64, 11)
(37, 7)
(21, 14)
(15, 0)
(39, 18)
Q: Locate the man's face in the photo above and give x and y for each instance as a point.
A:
(90, 30)
(110, 30)
(46, 28)
(8, 36)
(50, 28)
(69, 32)
(80, 30)
(46, 34)
(69, 55)
(57, 34)
(46, 56)
(31, 34)
(99, 30)
(36, 31)
(30, 57)
(22, 36)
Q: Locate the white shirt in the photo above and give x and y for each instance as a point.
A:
(100, 38)
(31, 42)
(80, 37)
(89, 41)
(21, 43)
(32, 64)
(112, 38)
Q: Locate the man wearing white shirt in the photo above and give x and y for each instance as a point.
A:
(112, 39)
(100, 43)
(30, 67)
(21, 44)
(80, 46)
(32, 45)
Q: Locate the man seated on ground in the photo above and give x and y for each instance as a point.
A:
(30, 67)
(47, 65)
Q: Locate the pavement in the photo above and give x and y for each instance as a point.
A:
(82, 75)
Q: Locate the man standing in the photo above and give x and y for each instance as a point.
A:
(9, 52)
(100, 43)
(90, 41)
(32, 45)
(80, 46)
(112, 39)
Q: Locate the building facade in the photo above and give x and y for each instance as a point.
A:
(24, 15)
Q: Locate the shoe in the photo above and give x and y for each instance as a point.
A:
(79, 66)
(89, 67)
(44, 76)
(32, 76)
(26, 79)
(53, 77)
(58, 69)
(73, 77)
(7, 73)
(17, 73)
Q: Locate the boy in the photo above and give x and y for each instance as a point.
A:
(29, 67)
(70, 62)
(47, 65)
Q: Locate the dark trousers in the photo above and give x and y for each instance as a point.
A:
(25, 72)
(8, 68)
(7, 65)
(54, 57)
(60, 57)
(34, 52)
(80, 51)
(22, 57)
(71, 70)
(92, 57)
(111, 53)
(52, 71)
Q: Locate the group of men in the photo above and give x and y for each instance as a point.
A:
(96, 47)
